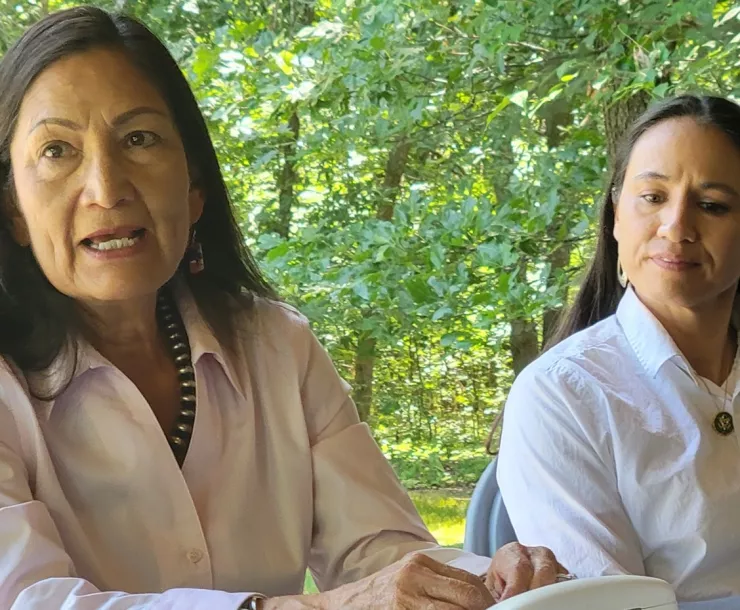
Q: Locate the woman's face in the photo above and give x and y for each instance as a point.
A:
(677, 219)
(102, 188)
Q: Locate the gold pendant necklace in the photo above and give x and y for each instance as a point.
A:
(724, 423)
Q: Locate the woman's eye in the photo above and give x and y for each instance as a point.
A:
(652, 198)
(142, 139)
(55, 150)
(713, 207)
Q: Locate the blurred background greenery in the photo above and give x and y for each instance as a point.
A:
(421, 178)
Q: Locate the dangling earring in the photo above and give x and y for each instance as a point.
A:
(194, 256)
(621, 275)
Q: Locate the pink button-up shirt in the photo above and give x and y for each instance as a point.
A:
(95, 513)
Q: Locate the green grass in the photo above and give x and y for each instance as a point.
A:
(308, 585)
(444, 515)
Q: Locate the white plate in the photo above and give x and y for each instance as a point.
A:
(603, 593)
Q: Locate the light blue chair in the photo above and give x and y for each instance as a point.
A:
(487, 525)
(487, 529)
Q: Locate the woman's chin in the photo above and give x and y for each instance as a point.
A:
(120, 287)
(689, 293)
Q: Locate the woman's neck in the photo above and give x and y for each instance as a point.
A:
(703, 335)
(125, 332)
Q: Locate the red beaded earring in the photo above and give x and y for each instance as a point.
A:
(194, 255)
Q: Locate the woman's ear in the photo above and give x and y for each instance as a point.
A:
(614, 197)
(196, 196)
(196, 201)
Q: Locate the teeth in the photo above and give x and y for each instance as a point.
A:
(115, 244)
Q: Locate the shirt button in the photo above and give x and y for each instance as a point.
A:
(195, 555)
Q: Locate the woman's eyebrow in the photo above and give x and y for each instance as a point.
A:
(651, 175)
(120, 120)
(720, 186)
(129, 115)
(53, 120)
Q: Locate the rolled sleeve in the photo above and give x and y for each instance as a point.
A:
(557, 478)
(364, 519)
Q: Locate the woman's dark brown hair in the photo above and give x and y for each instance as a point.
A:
(37, 321)
(600, 291)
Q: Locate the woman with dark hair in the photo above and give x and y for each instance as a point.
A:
(620, 449)
(171, 436)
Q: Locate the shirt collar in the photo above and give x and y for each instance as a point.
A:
(202, 339)
(203, 343)
(651, 343)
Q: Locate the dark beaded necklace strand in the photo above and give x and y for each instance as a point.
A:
(177, 339)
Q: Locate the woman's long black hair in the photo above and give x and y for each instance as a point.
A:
(36, 321)
(600, 291)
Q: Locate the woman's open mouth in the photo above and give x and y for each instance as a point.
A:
(114, 240)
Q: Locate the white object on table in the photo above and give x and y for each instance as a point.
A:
(602, 593)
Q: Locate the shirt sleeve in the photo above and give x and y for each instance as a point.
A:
(35, 571)
(557, 474)
(363, 518)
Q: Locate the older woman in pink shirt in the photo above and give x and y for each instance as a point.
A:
(171, 435)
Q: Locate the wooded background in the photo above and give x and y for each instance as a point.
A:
(421, 178)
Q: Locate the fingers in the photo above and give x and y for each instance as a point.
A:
(417, 582)
(427, 604)
(467, 593)
(443, 586)
(517, 568)
(518, 571)
(546, 567)
(495, 584)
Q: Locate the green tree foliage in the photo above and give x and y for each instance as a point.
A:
(421, 177)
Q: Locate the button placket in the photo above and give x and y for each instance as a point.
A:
(194, 556)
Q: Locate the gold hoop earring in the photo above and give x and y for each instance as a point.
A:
(621, 275)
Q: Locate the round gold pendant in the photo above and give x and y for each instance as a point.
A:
(724, 424)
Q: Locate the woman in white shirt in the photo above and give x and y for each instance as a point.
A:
(620, 448)
(171, 436)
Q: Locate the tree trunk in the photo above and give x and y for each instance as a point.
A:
(299, 13)
(618, 117)
(364, 365)
(394, 170)
(366, 344)
(295, 15)
(559, 259)
(288, 176)
(524, 349)
(557, 115)
(524, 344)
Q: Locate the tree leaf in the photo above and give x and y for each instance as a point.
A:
(361, 290)
(519, 98)
(437, 255)
(442, 312)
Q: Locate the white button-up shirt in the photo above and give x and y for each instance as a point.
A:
(608, 457)
(95, 513)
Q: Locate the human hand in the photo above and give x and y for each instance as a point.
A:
(417, 582)
(516, 568)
